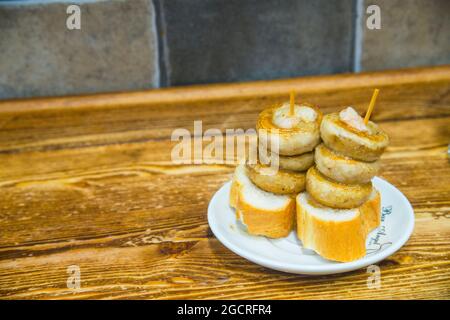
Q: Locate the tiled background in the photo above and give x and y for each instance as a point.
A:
(138, 44)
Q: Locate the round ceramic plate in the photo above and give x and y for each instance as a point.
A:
(288, 255)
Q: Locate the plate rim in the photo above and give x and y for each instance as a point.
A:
(331, 268)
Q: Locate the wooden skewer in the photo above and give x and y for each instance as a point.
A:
(291, 103)
(371, 105)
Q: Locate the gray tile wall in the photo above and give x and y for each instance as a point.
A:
(139, 44)
(235, 40)
(413, 33)
(115, 50)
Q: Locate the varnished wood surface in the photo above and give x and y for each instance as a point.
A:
(88, 181)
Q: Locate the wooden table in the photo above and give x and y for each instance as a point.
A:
(88, 181)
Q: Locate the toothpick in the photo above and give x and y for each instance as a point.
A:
(371, 105)
(292, 103)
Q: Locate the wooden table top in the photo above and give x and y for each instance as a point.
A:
(88, 181)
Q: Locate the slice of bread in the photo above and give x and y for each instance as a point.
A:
(336, 234)
(263, 213)
(371, 211)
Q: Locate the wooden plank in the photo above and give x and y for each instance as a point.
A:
(89, 181)
(113, 118)
(236, 91)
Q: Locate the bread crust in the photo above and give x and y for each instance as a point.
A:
(371, 211)
(335, 194)
(340, 240)
(271, 224)
(234, 192)
(344, 169)
(276, 223)
(300, 139)
(359, 145)
(301, 162)
(279, 182)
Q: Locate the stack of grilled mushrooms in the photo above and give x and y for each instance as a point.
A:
(340, 205)
(295, 130)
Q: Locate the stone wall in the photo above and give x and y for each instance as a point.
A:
(139, 44)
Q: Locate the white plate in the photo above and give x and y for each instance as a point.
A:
(287, 254)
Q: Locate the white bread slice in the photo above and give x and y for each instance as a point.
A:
(336, 234)
(263, 213)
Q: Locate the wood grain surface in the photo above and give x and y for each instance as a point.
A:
(89, 181)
